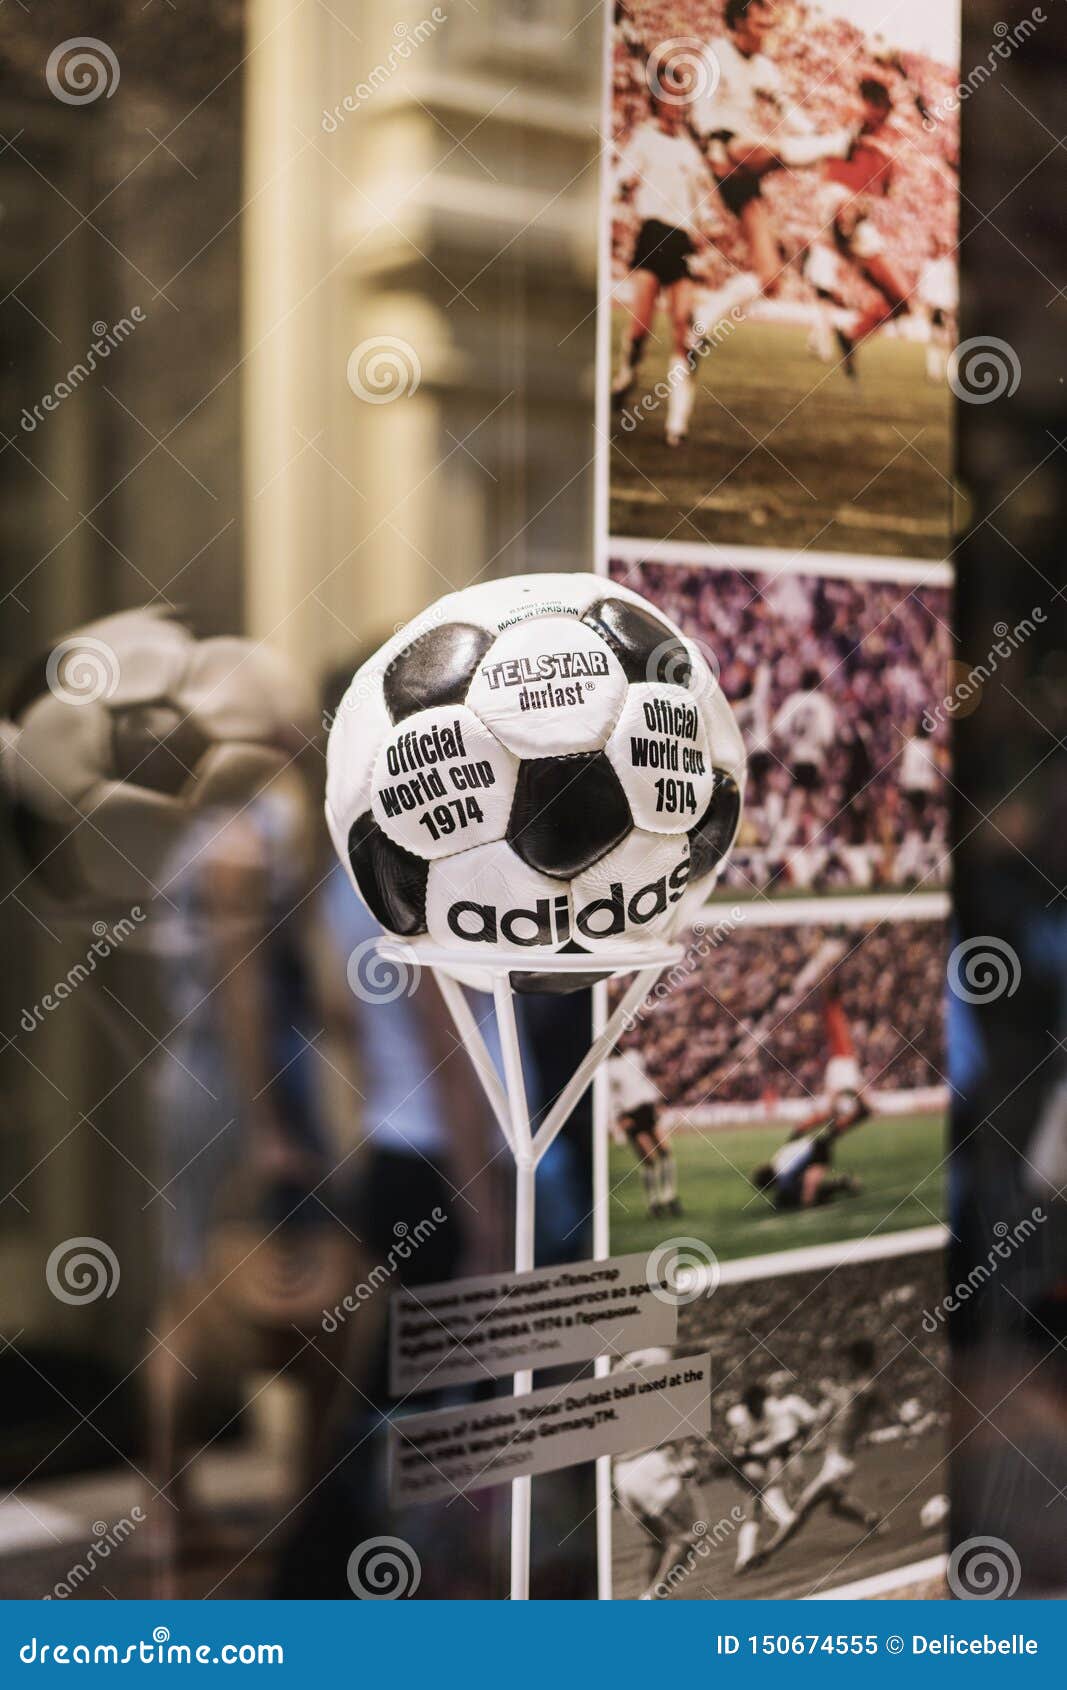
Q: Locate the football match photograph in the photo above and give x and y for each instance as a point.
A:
(823, 1471)
(784, 1085)
(833, 680)
(782, 224)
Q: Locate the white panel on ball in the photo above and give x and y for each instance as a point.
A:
(660, 752)
(360, 723)
(498, 604)
(487, 898)
(442, 783)
(724, 735)
(548, 688)
(632, 892)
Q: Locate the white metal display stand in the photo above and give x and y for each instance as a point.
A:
(509, 1102)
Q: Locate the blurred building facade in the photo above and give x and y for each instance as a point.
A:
(272, 210)
(419, 261)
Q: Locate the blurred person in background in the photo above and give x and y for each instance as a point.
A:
(251, 1247)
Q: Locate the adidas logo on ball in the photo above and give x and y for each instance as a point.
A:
(548, 920)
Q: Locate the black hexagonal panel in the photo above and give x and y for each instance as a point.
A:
(647, 648)
(155, 746)
(710, 839)
(568, 812)
(391, 880)
(436, 668)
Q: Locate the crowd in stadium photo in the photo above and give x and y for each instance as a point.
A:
(828, 678)
(748, 1023)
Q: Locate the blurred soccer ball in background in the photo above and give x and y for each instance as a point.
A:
(124, 731)
(535, 765)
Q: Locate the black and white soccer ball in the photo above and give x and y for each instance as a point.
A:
(123, 732)
(534, 766)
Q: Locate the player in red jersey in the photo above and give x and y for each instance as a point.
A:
(854, 184)
(800, 1175)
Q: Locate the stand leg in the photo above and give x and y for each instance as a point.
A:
(521, 1499)
(601, 1244)
(602, 1042)
(510, 1105)
(525, 1177)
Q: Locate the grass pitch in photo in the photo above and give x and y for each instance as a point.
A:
(896, 1164)
(783, 450)
(825, 1462)
(784, 1087)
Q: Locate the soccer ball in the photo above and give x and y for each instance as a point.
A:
(123, 732)
(534, 766)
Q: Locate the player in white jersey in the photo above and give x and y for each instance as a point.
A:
(635, 1107)
(807, 726)
(920, 772)
(747, 128)
(849, 1410)
(939, 298)
(766, 1431)
(921, 779)
(664, 176)
(626, 31)
(657, 1488)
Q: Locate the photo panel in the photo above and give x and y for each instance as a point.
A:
(783, 1085)
(824, 1471)
(833, 674)
(779, 268)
